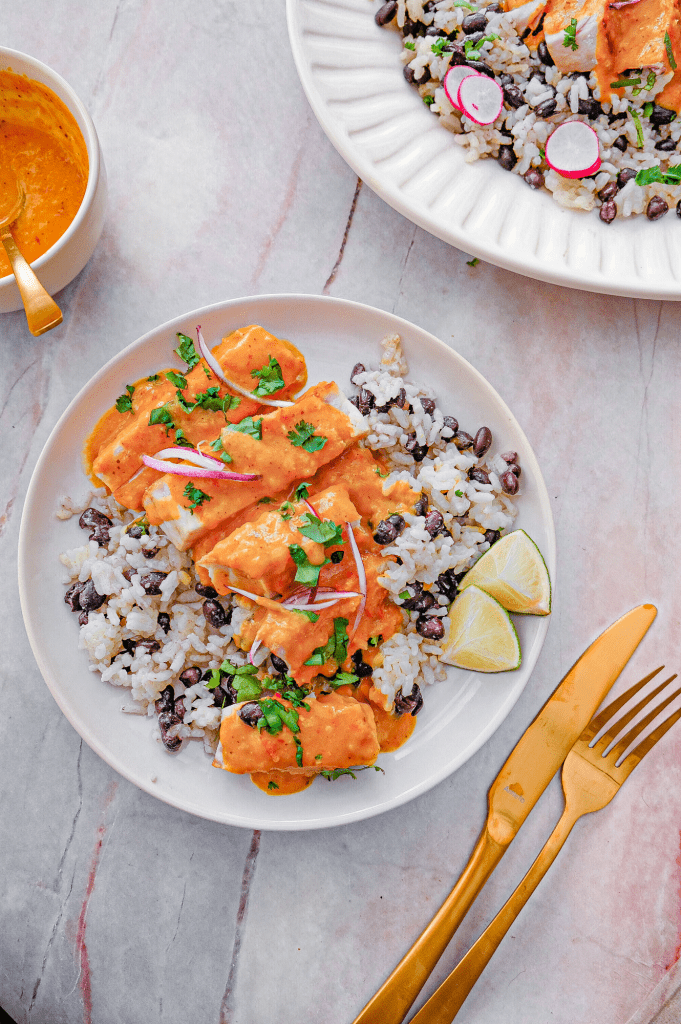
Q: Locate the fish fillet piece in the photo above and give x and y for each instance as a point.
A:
(579, 55)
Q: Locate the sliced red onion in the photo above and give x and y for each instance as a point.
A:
(619, 4)
(252, 652)
(199, 458)
(197, 472)
(310, 508)
(362, 579)
(219, 373)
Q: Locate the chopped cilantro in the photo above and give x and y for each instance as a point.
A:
(308, 615)
(409, 45)
(286, 510)
(196, 496)
(438, 46)
(124, 402)
(324, 532)
(186, 351)
(318, 757)
(648, 108)
(336, 773)
(377, 471)
(472, 48)
(152, 379)
(161, 416)
(622, 83)
(299, 752)
(344, 679)
(472, 263)
(651, 175)
(183, 402)
(650, 80)
(248, 426)
(306, 573)
(182, 439)
(404, 596)
(337, 556)
(464, 3)
(265, 501)
(275, 716)
(570, 35)
(177, 379)
(459, 494)
(270, 376)
(429, 100)
(374, 641)
(217, 446)
(301, 492)
(336, 646)
(670, 52)
(303, 436)
(211, 400)
(272, 785)
(242, 679)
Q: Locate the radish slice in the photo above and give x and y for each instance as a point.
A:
(573, 150)
(218, 371)
(198, 472)
(480, 98)
(362, 579)
(453, 79)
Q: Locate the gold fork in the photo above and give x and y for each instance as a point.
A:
(590, 777)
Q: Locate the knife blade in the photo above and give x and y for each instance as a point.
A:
(534, 761)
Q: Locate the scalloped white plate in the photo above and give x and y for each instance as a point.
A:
(459, 714)
(351, 72)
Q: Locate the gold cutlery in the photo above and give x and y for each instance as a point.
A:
(534, 761)
(591, 777)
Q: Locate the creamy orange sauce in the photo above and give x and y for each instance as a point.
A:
(42, 150)
(246, 533)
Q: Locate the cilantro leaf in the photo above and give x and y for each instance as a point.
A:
(374, 641)
(439, 46)
(124, 402)
(570, 35)
(152, 379)
(312, 616)
(177, 379)
(196, 496)
(182, 439)
(211, 400)
(272, 785)
(160, 415)
(186, 351)
(248, 426)
(336, 646)
(409, 45)
(217, 446)
(275, 716)
(270, 376)
(286, 510)
(183, 402)
(651, 175)
(301, 492)
(344, 679)
(303, 436)
(324, 532)
(306, 573)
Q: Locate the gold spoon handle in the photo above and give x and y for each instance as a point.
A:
(391, 1003)
(42, 312)
(447, 1000)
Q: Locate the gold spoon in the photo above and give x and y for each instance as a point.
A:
(42, 312)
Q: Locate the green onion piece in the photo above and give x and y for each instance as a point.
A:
(639, 128)
(670, 52)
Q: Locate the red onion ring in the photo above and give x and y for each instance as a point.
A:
(362, 579)
(219, 373)
(196, 472)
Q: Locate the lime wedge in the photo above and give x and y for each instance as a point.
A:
(514, 572)
(481, 634)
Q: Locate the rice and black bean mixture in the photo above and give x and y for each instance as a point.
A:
(638, 138)
(148, 625)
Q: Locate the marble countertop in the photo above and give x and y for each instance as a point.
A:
(115, 907)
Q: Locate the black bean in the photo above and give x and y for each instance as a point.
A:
(224, 695)
(481, 68)
(410, 705)
(492, 536)
(476, 22)
(165, 700)
(451, 423)
(93, 519)
(509, 482)
(608, 191)
(545, 109)
(82, 619)
(505, 79)
(478, 475)
(493, 9)
(541, 77)
(509, 456)
(72, 596)
(482, 441)
(544, 55)
(656, 208)
(507, 157)
(151, 583)
(129, 573)
(214, 614)
(385, 533)
(515, 468)
(207, 675)
(420, 602)
(397, 521)
(399, 399)
(590, 107)
(423, 76)
(365, 401)
(665, 145)
(250, 713)
(150, 552)
(434, 523)
(513, 96)
(361, 668)
(534, 178)
(163, 619)
(678, 208)
(475, 37)
(150, 646)
(386, 13)
(621, 143)
(625, 175)
(136, 531)
(432, 31)
(165, 722)
(421, 506)
(463, 441)
(458, 54)
(417, 451)
(179, 709)
(279, 665)
(447, 584)
(357, 368)
(428, 405)
(413, 28)
(204, 590)
(431, 629)
(89, 598)
(661, 115)
(613, 118)
(191, 676)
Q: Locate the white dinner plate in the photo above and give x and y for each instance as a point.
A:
(351, 72)
(459, 714)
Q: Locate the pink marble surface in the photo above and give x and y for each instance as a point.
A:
(114, 907)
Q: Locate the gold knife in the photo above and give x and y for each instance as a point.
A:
(532, 764)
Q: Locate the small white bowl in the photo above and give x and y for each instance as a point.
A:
(69, 254)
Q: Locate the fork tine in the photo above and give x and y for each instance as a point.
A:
(639, 752)
(597, 723)
(616, 727)
(626, 740)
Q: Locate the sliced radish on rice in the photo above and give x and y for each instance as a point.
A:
(453, 79)
(572, 150)
(217, 370)
(480, 98)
